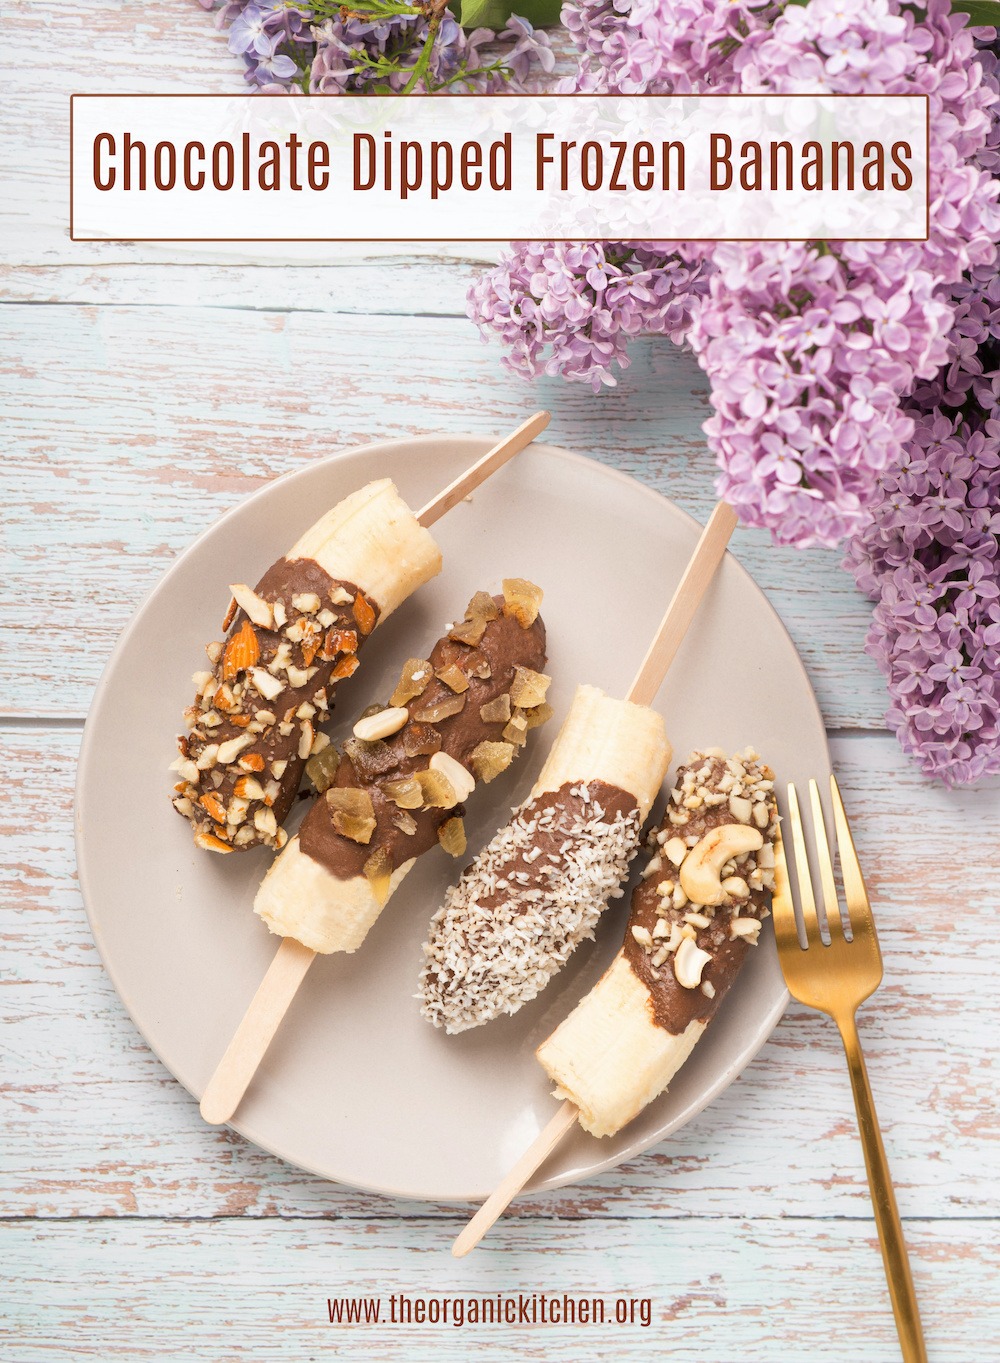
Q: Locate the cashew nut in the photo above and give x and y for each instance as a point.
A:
(699, 873)
(689, 963)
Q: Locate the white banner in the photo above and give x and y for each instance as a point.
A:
(498, 167)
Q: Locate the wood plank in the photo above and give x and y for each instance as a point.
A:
(409, 286)
(149, 422)
(96, 1127)
(717, 1289)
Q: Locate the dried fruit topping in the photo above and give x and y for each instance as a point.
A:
(437, 791)
(521, 600)
(369, 760)
(404, 792)
(451, 836)
(478, 614)
(420, 740)
(454, 678)
(528, 688)
(496, 711)
(241, 652)
(322, 768)
(378, 873)
(353, 813)
(406, 823)
(346, 667)
(538, 715)
(442, 709)
(517, 730)
(413, 681)
(488, 760)
(363, 614)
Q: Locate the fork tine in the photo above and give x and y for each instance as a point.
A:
(786, 930)
(809, 919)
(830, 901)
(859, 909)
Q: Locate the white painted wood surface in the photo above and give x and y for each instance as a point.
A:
(142, 393)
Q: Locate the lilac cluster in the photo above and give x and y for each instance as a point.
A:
(807, 360)
(809, 350)
(348, 51)
(929, 556)
(284, 50)
(930, 559)
(567, 309)
(274, 41)
(662, 46)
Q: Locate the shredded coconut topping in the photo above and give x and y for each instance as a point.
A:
(526, 902)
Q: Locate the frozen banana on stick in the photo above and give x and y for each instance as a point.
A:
(537, 890)
(695, 917)
(455, 719)
(256, 717)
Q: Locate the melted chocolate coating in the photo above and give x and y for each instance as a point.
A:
(505, 645)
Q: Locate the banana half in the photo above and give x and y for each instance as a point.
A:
(374, 540)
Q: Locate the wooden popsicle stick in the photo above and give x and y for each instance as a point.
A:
(698, 574)
(502, 1196)
(472, 477)
(256, 1030)
(286, 972)
(707, 556)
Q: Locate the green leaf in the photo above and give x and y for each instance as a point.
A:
(980, 12)
(495, 13)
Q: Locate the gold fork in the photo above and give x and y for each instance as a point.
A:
(835, 976)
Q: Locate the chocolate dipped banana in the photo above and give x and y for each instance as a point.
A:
(397, 789)
(256, 716)
(538, 888)
(695, 916)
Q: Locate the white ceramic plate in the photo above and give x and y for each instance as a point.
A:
(357, 1087)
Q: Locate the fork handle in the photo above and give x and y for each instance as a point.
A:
(890, 1231)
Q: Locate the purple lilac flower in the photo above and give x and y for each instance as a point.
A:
(278, 41)
(561, 308)
(274, 40)
(929, 556)
(807, 359)
(661, 46)
(930, 559)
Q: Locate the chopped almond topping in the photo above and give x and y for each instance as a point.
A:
(363, 614)
(347, 666)
(241, 653)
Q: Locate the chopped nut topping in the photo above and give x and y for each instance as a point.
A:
(254, 607)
